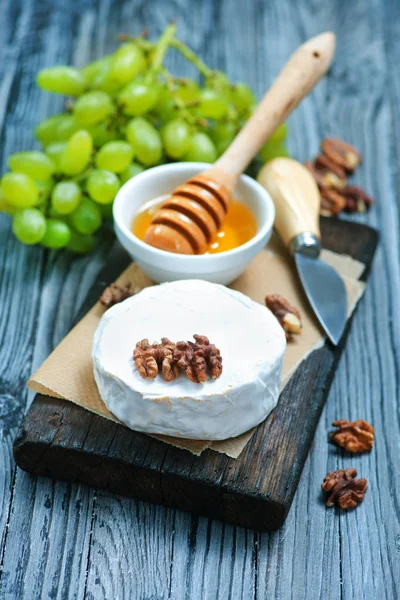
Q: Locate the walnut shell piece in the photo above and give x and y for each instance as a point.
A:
(144, 356)
(353, 436)
(115, 293)
(197, 358)
(150, 358)
(356, 199)
(323, 176)
(343, 489)
(332, 202)
(194, 366)
(287, 314)
(343, 154)
(211, 355)
(169, 368)
(324, 162)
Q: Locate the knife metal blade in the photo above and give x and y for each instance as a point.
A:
(326, 293)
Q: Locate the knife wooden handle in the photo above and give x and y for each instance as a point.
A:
(295, 195)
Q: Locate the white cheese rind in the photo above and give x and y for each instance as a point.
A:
(251, 342)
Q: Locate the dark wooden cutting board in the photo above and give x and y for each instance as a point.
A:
(63, 441)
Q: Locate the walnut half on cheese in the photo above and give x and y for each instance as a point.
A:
(248, 336)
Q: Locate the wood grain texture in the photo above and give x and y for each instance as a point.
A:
(65, 541)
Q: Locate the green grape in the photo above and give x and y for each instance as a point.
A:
(98, 74)
(218, 80)
(44, 189)
(146, 141)
(201, 149)
(241, 96)
(167, 110)
(77, 153)
(221, 146)
(35, 164)
(66, 197)
(128, 61)
(86, 219)
(56, 129)
(97, 68)
(114, 156)
(213, 104)
(46, 131)
(222, 131)
(19, 190)
(66, 128)
(5, 207)
(176, 138)
(279, 134)
(107, 211)
(81, 244)
(62, 80)
(164, 94)
(55, 152)
(138, 98)
(92, 69)
(103, 78)
(188, 90)
(29, 225)
(102, 133)
(93, 107)
(133, 170)
(272, 150)
(222, 134)
(57, 234)
(102, 186)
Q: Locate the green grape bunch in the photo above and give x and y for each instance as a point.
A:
(124, 113)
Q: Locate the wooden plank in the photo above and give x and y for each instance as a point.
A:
(360, 111)
(255, 491)
(45, 526)
(303, 558)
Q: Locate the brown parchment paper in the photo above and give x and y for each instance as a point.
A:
(68, 373)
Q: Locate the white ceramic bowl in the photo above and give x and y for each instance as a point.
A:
(163, 266)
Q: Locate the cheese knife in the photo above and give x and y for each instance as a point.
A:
(297, 202)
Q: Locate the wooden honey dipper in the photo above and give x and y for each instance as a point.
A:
(188, 221)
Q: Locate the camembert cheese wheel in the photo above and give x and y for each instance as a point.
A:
(249, 337)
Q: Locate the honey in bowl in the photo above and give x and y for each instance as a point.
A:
(239, 225)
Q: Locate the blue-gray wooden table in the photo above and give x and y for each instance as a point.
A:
(61, 540)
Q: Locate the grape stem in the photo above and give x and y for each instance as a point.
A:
(191, 57)
(144, 44)
(162, 46)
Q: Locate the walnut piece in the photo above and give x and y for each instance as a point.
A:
(356, 199)
(144, 357)
(149, 358)
(324, 162)
(197, 358)
(353, 436)
(343, 489)
(115, 293)
(332, 202)
(194, 367)
(287, 314)
(341, 153)
(330, 171)
(323, 176)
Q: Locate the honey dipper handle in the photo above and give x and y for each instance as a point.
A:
(300, 74)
